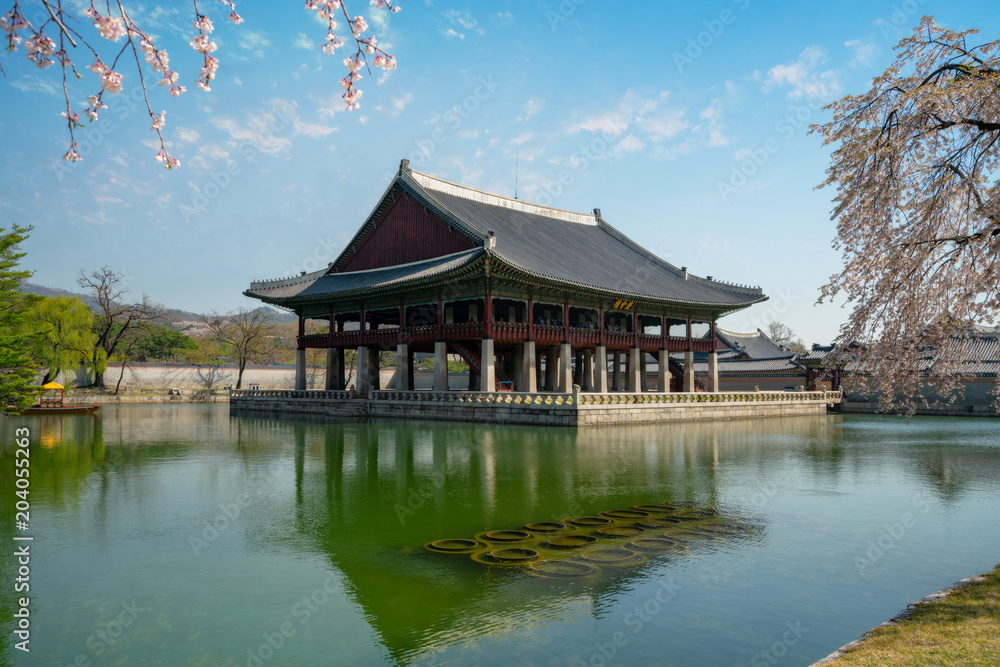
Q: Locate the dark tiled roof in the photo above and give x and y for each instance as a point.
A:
(575, 248)
(572, 247)
(754, 345)
(318, 284)
(817, 352)
(782, 364)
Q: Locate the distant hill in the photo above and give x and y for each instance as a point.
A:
(175, 318)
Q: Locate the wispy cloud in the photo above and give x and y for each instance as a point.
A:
(803, 79)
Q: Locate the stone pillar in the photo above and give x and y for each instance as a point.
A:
(529, 379)
(578, 368)
(616, 371)
(334, 369)
(713, 372)
(688, 370)
(362, 381)
(440, 366)
(634, 370)
(551, 369)
(601, 369)
(663, 373)
(588, 370)
(403, 374)
(517, 368)
(410, 360)
(487, 376)
(642, 372)
(374, 378)
(300, 369)
(565, 368)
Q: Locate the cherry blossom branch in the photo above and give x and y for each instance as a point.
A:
(114, 24)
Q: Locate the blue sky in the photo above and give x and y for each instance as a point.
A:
(685, 123)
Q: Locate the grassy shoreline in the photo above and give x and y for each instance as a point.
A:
(957, 626)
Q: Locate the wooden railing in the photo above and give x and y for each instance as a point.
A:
(544, 334)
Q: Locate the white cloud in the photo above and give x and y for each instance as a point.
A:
(629, 144)
(187, 135)
(864, 52)
(399, 103)
(254, 41)
(302, 41)
(34, 84)
(503, 19)
(452, 33)
(802, 78)
(522, 138)
(533, 107)
(649, 114)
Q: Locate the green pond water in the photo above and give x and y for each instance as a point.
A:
(179, 535)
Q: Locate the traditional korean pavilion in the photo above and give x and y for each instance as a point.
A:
(533, 298)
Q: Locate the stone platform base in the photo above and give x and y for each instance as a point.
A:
(542, 409)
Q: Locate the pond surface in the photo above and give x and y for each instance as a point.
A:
(178, 535)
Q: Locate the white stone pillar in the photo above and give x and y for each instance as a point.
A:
(362, 382)
(713, 372)
(601, 369)
(403, 367)
(616, 371)
(300, 369)
(688, 370)
(634, 370)
(440, 366)
(487, 367)
(529, 365)
(588, 370)
(663, 373)
(565, 368)
(643, 380)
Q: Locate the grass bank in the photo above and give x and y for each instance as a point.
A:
(961, 627)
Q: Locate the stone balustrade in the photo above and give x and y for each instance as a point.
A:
(539, 408)
(316, 394)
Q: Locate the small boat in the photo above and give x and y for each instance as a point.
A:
(52, 404)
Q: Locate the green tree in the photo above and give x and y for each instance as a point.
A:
(62, 334)
(17, 370)
(157, 342)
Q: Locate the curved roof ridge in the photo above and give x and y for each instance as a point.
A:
(737, 334)
(448, 187)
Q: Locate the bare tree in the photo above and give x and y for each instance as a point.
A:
(248, 334)
(117, 316)
(782, 334)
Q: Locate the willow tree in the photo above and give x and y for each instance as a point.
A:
(915, 169)
(62, 334)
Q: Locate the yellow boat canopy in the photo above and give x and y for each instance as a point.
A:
(52, 385)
